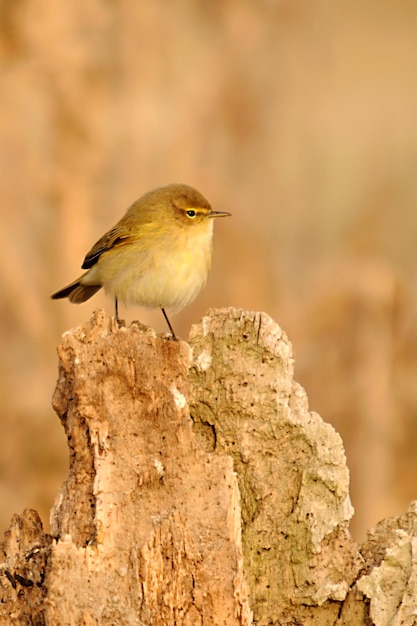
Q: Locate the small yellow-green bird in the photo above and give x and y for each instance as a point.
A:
(158, 255)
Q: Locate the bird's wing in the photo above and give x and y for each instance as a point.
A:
(117, 236)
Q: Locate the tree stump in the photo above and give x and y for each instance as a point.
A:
(201, 491)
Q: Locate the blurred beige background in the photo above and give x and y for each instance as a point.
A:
(297, 117)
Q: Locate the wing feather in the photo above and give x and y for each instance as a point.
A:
(117, 236)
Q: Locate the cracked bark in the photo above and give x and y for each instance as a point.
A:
(201, 490)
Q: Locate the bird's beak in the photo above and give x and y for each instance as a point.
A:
(218, 214)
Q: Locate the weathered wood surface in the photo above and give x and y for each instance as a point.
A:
(202, 491)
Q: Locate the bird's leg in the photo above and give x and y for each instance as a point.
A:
(168, 322)
(116, 309)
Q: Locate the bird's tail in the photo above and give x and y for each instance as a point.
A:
(76, 292)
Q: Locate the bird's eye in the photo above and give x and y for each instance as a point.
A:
(191, 213)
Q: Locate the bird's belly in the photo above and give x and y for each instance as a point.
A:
(161, 278)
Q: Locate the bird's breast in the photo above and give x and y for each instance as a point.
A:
(167, 273)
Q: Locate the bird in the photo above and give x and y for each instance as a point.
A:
(158, 255)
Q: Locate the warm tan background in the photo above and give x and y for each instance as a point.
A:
(300, 118)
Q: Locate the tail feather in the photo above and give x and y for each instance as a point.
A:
(76, 292)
